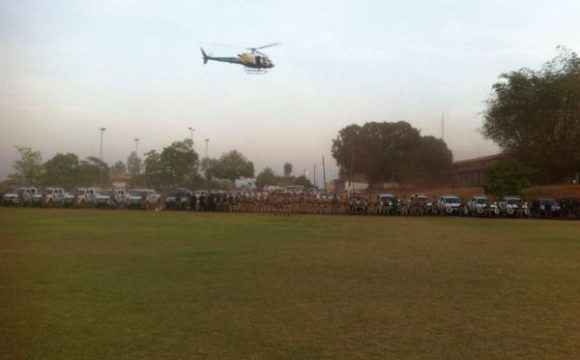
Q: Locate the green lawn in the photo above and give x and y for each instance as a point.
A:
(86, 284)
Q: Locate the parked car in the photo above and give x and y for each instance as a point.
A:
(449, 205)
(420, 204)
(143, 199)
(20, 196)
(179, 200)
(51, 197)
(111, 198)
(387, 204)
(357, 204)
(545, 208)
(479, 205)
(81, 197)
(11, 198)
(513, 206)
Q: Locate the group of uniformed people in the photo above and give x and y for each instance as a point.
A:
(277, 203)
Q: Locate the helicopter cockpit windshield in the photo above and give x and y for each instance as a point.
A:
(263, 61)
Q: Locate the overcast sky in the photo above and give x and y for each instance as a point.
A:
(134, 67)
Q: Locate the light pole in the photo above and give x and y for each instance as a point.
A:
(191, 130)
(136, 146)
(314, 177)
(102, 130)
(206, 179)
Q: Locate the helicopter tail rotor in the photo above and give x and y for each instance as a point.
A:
(205, 57)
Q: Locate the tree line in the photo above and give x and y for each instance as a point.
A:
(176, 165)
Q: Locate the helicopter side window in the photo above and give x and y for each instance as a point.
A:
(258, 60)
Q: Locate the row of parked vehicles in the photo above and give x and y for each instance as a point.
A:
(354, 203)
(82, 197)
(477, 205)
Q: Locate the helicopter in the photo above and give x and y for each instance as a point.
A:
(254, 61)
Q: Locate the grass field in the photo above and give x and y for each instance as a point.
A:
(144, 285)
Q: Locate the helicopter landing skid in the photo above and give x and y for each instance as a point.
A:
(256, 71)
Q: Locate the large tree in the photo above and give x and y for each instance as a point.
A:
(63, 170)
(507, 177)
(175, 166)
(153, 169)
(134, 168)
(535, 116)
(179, 162)
(93, 171)
(119, 168)
(266, 177)
(27, 170)
(287, 169)
(390, 151)
(233, 165)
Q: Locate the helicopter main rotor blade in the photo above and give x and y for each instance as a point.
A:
(230, 46)
(248, 48)
(266, 46)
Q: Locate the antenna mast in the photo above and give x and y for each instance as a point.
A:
(443, 126)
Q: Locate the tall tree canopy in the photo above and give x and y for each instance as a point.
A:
(507, 177)
(179, 162)
(134, 164)
(134, 168)
(266, 177)
(176, 165)
(93, 171)
(27, 170)
(535, 115)
(233, 165)
(153, 169)
(390, 151)
(287, 169)
(119, 168)
(62, 170)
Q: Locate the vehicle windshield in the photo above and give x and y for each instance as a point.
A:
(452, 200)
(482, 201)
(107, 192)
(550, 202)
(139, 193)
(49, 191)
(513, 201)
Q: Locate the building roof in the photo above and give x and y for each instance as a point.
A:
(480, 163)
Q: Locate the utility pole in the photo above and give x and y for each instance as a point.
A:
(102, 130)
(136, 146)
(443, 126)
(314, 176)
(323, 173)
(206, 179)
(191, 130)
